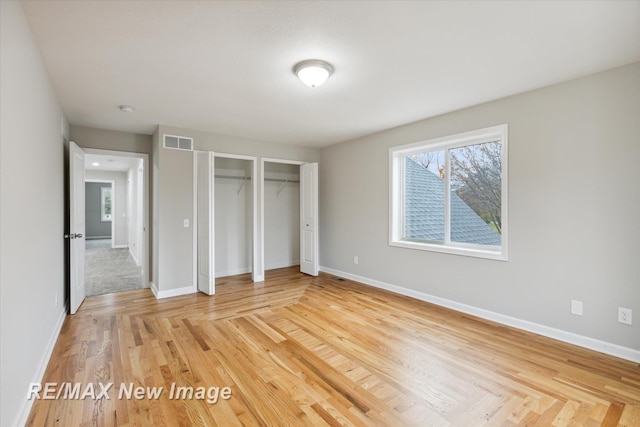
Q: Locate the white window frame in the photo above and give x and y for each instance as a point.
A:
(103, 216)
(397, 157)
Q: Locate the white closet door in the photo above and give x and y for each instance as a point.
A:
(309, 219)
(206, 241)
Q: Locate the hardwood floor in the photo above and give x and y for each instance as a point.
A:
(298, 350)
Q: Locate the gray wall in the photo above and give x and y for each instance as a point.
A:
(574, 205)
(32, 248)
(120, 202)
(94, 226)
(175, 204)
(110, 140)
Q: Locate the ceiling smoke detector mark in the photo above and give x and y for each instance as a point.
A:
(126, 108)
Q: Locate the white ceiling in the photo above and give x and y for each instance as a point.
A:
(109, 163)
(226, 67)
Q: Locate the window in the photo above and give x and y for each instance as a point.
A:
(106, 204)
(450, 194)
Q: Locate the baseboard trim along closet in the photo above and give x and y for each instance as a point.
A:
(233, 272)
(24, 411)
(282, 264)
(171, 292)
(558, 334)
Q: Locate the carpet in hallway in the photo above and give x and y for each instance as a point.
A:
(109, 270)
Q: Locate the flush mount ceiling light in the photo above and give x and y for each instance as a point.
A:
(313, 72)
(126, 108)
(95, 164)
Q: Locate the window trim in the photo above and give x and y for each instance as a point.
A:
(397, 155)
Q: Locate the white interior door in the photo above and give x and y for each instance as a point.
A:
(77, 291)
(309, 219)
(206, 241)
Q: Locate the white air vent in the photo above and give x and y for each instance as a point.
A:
(178, 142)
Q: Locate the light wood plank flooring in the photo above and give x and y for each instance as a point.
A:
(297, 350)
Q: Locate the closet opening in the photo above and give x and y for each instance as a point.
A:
(233, 215)
(281, 224)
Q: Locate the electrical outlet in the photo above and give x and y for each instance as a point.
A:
(355, 259)
(625, 315)
(576, 307)
(186, 223)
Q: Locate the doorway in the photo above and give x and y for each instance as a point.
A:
(225, 200)
(114, 223)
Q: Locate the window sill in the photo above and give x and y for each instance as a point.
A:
(454, 250)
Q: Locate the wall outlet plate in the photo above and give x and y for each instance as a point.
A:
(625, 315)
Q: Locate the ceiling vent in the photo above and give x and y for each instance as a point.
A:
(175, 142)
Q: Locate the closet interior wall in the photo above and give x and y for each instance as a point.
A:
(233, 216)
(281, 215)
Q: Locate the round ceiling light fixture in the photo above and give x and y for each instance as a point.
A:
(313, 72)
(126, 108)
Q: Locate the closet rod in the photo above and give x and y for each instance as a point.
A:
(280, 180)
(248, 177)
(233, 177)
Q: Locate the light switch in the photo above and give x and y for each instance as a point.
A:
(186, 223)
(576, 307)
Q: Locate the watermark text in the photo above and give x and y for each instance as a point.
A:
(125, 391)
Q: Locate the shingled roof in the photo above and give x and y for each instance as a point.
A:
(424, 211)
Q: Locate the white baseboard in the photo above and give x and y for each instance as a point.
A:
(558, 334)
(171, 292)
(133, 256)
(23, 413)
(282, 264)
(119, 247)
(233, 272)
